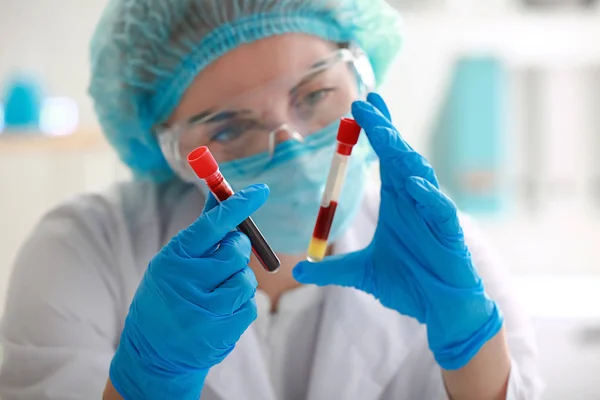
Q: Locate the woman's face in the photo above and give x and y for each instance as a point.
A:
(258, 88)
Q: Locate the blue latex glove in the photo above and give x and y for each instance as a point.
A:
(192, 305)
(417, 262)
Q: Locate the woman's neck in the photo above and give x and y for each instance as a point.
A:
(274, 285)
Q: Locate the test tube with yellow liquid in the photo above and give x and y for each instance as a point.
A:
(347, 137)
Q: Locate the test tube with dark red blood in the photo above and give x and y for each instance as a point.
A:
(347, 137)
(207, 169)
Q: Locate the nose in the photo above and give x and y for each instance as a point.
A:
(274, 109)
(279, 121)
(282, 133)
(285, 131)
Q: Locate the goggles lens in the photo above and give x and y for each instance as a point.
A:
(292, 108)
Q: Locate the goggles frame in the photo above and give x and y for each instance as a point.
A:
(168, 135)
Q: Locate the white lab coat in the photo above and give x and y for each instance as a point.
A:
(75, 277)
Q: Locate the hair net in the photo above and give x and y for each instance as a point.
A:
(145, 53)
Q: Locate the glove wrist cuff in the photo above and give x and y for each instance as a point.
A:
(456, 355)
(133, 378)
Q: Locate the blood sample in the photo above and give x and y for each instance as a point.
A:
(347, 137)
(207, 169)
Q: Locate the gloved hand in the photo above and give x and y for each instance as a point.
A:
(417, 262)
(192, 305)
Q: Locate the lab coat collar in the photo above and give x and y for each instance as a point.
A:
(359, 350)
(360, 347)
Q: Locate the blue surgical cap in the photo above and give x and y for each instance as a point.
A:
(145, 53)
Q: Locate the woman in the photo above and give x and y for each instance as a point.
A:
(148, 292)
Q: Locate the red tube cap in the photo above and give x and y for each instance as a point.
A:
(348, 132)
(202, 162)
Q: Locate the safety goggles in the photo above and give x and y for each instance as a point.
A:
(295, 107)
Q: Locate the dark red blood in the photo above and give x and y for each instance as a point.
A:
(222, 191)
(260, 247)
(324, 221)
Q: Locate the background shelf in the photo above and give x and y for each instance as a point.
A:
(525, 38)
(83, 141)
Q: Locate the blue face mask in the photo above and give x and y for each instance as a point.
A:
(296, 175)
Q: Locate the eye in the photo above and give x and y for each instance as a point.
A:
(227, 133)
(232, 131)
(314, 97)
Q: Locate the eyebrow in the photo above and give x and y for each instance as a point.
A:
(227, 115)
(307, 79)
(217, 117)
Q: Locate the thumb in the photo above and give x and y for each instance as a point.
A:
(434, 206)
(376, 100)
(382, 135)
(211, 202)
(212, 226)
(341, 270)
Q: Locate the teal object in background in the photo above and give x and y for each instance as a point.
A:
(469, 141)
(22, 104)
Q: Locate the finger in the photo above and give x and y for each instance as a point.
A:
(389, 145)
(384, 138)
(247, 312)
(406, 162)
(236, 324)
(435, 207)
(231, 257)
(369, 117)
(234, 248)
(204, 274)
(229, 297)
(342, 270)
(376, 100)
(233, 326)
(414, 164)
(211, 202)
(212, 226)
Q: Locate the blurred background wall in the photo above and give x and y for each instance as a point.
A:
(502, 96)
